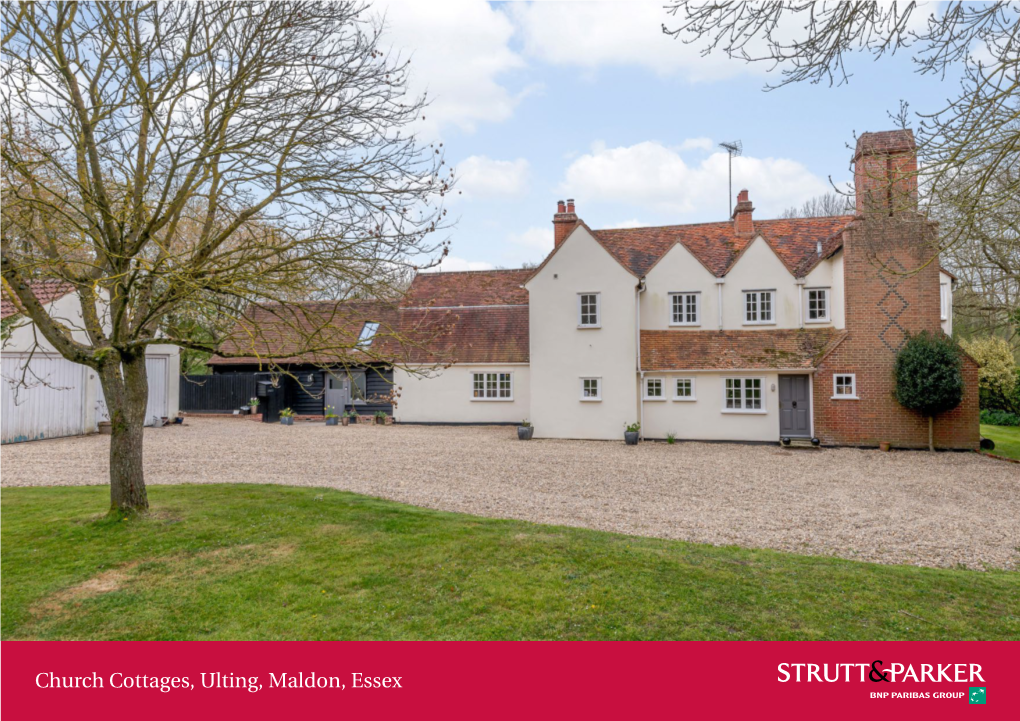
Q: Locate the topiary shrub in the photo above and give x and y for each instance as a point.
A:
(929, 376)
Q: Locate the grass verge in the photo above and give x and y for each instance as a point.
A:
(270, 562)
(1007, 440)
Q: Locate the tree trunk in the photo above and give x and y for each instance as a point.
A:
(126, 388)
(931, 433)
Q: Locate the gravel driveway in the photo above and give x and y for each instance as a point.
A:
(918, 508)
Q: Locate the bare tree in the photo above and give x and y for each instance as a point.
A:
(967, 148)
(185, 162)
(821, 206)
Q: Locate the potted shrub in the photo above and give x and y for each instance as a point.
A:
(380, 418)
(344, 419)
(287, 417)
(631, 434)
(352, 416)
(253, 405)
(525, 431)
(331, 417)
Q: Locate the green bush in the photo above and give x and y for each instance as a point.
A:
(999, 418)
(929, 376)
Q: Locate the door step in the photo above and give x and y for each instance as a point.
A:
(800, 443)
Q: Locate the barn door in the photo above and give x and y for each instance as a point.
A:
(43, 397)
(156, 371)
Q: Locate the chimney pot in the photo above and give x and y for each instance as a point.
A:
(560, 207)
(570, 205)
(564, 221)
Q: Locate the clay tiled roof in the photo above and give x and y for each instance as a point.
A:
(46, 291)
(718, 246)
(327, 332)
(468, 288)
(663, 350)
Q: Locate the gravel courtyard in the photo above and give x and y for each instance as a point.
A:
(941, 509)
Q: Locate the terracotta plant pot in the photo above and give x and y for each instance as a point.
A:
(345, 421)
(524, 433)
(884, 446)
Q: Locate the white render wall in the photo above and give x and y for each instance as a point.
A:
(704, 419)
(758, 269)
(448, 396)
(562, 353)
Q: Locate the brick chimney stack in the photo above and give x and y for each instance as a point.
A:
(885, 173)
(743, 223)
(564, 221)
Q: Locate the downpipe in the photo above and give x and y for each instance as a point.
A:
(639, 289)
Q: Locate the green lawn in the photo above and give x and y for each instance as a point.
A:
(1007, 440)
(269, 562)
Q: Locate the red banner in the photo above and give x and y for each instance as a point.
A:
(859, 680)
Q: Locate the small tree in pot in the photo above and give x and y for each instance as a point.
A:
(929, 376)
(631, 434)
(525, 430)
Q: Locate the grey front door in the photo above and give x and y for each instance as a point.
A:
(338, 392)
(794, 406)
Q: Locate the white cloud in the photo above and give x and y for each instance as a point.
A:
(452, 262)
(632, 223)
(458, 51)
(529, 246)
(653, 176)
(596, 34)
(482, 177)
(696, 144)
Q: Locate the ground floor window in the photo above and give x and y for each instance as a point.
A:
(844, 385)
(744, 394)
(684, 389)
(653, 389)
(591, 389)
(493, 386)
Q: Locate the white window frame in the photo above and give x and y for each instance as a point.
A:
(598, 310)
(758, 297)
(495, 388)
(662, 389)
(598, 387)
(684, 295)
(743, 395)
(853, 387)
(682, 399)
(944, 300)
(807, 305)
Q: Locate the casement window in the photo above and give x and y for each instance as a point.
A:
(743, 395)
(492, 386)
(683, 389)
(945, 299)
(759, 307)
(844, 386)
(817, 305)
(654, 389)
(589, 310)
(685, 309)
(591, 389)
(368, 332)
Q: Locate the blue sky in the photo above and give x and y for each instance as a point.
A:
(540, 101)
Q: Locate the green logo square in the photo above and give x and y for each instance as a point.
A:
(977, 694)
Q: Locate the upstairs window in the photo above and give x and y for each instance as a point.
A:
(589, 310)
(368, 332)
(493, 386)
(817, 305)
(743, 394)
(653, 389)
(686, 308)
(758, 307)
(945, 300)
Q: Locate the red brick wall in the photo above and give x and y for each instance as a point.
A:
(886, 298)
